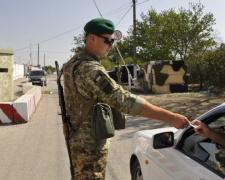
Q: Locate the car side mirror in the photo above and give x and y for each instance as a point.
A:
(163, 140)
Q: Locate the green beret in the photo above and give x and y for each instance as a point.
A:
(99, 26)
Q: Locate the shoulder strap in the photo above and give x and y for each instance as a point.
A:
(85, 113)
(76, 63)
(88, 108)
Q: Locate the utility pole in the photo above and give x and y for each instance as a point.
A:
(44, 62)
(38, 55)
(134, 42)
(31, 54)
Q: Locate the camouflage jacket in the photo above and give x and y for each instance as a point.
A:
(84, 76)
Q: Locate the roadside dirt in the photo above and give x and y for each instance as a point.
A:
(189, 104)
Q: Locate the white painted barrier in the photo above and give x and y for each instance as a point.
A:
(37, 91)
(27, 103)
(21, 109)
(24, 106)
(26, 87)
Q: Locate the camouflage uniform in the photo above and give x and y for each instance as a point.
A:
(81, 82)
(119, 74)
(141, 79)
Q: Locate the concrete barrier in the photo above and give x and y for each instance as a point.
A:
(8, 113)
(24, 106)
(26, 87)
(21, 109)
(37, 91)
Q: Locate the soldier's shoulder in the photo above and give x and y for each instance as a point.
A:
(90, 64)
(88, 67)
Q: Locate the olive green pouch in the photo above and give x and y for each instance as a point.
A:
(119, 119)
(102, 121)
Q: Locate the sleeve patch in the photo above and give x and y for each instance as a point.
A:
(103, 83)
(97, 78)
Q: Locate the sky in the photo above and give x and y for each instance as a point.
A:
(53, 23)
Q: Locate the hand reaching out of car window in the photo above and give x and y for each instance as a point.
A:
(203, 130)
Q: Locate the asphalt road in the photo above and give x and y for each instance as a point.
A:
(36, 150)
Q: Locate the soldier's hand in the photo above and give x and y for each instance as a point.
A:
(179, 121)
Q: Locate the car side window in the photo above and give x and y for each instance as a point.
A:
(204, 150)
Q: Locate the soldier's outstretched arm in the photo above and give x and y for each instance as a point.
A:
(176, 120)
(98, 82)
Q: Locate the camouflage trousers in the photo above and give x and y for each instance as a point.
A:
(89, 157)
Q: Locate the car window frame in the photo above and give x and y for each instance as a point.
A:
(190, 131)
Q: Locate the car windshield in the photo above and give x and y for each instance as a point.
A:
(37, 73)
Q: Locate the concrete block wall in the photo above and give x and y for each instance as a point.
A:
(6, 75)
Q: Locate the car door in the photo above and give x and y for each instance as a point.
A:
(202, 150)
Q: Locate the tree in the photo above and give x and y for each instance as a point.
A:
(170, 35)
(49, 69)
(175, 35)
(152, 44)
(126, 45)
(213, 65)
(78, 41)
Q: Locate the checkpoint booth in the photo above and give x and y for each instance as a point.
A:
(6, 74)
(167, 76)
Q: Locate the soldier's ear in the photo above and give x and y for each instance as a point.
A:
(93, 37)
(90, 38)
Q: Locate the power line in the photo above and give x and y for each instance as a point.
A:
(124, 16)
(118, 9)
(54, 52)
(142, 2)
(112, 12)
(127, 10)
(51, 38)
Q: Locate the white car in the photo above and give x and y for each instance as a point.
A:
(169, 153)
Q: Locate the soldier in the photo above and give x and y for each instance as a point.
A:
(141, 78)
(119, 73)
(84, 77)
